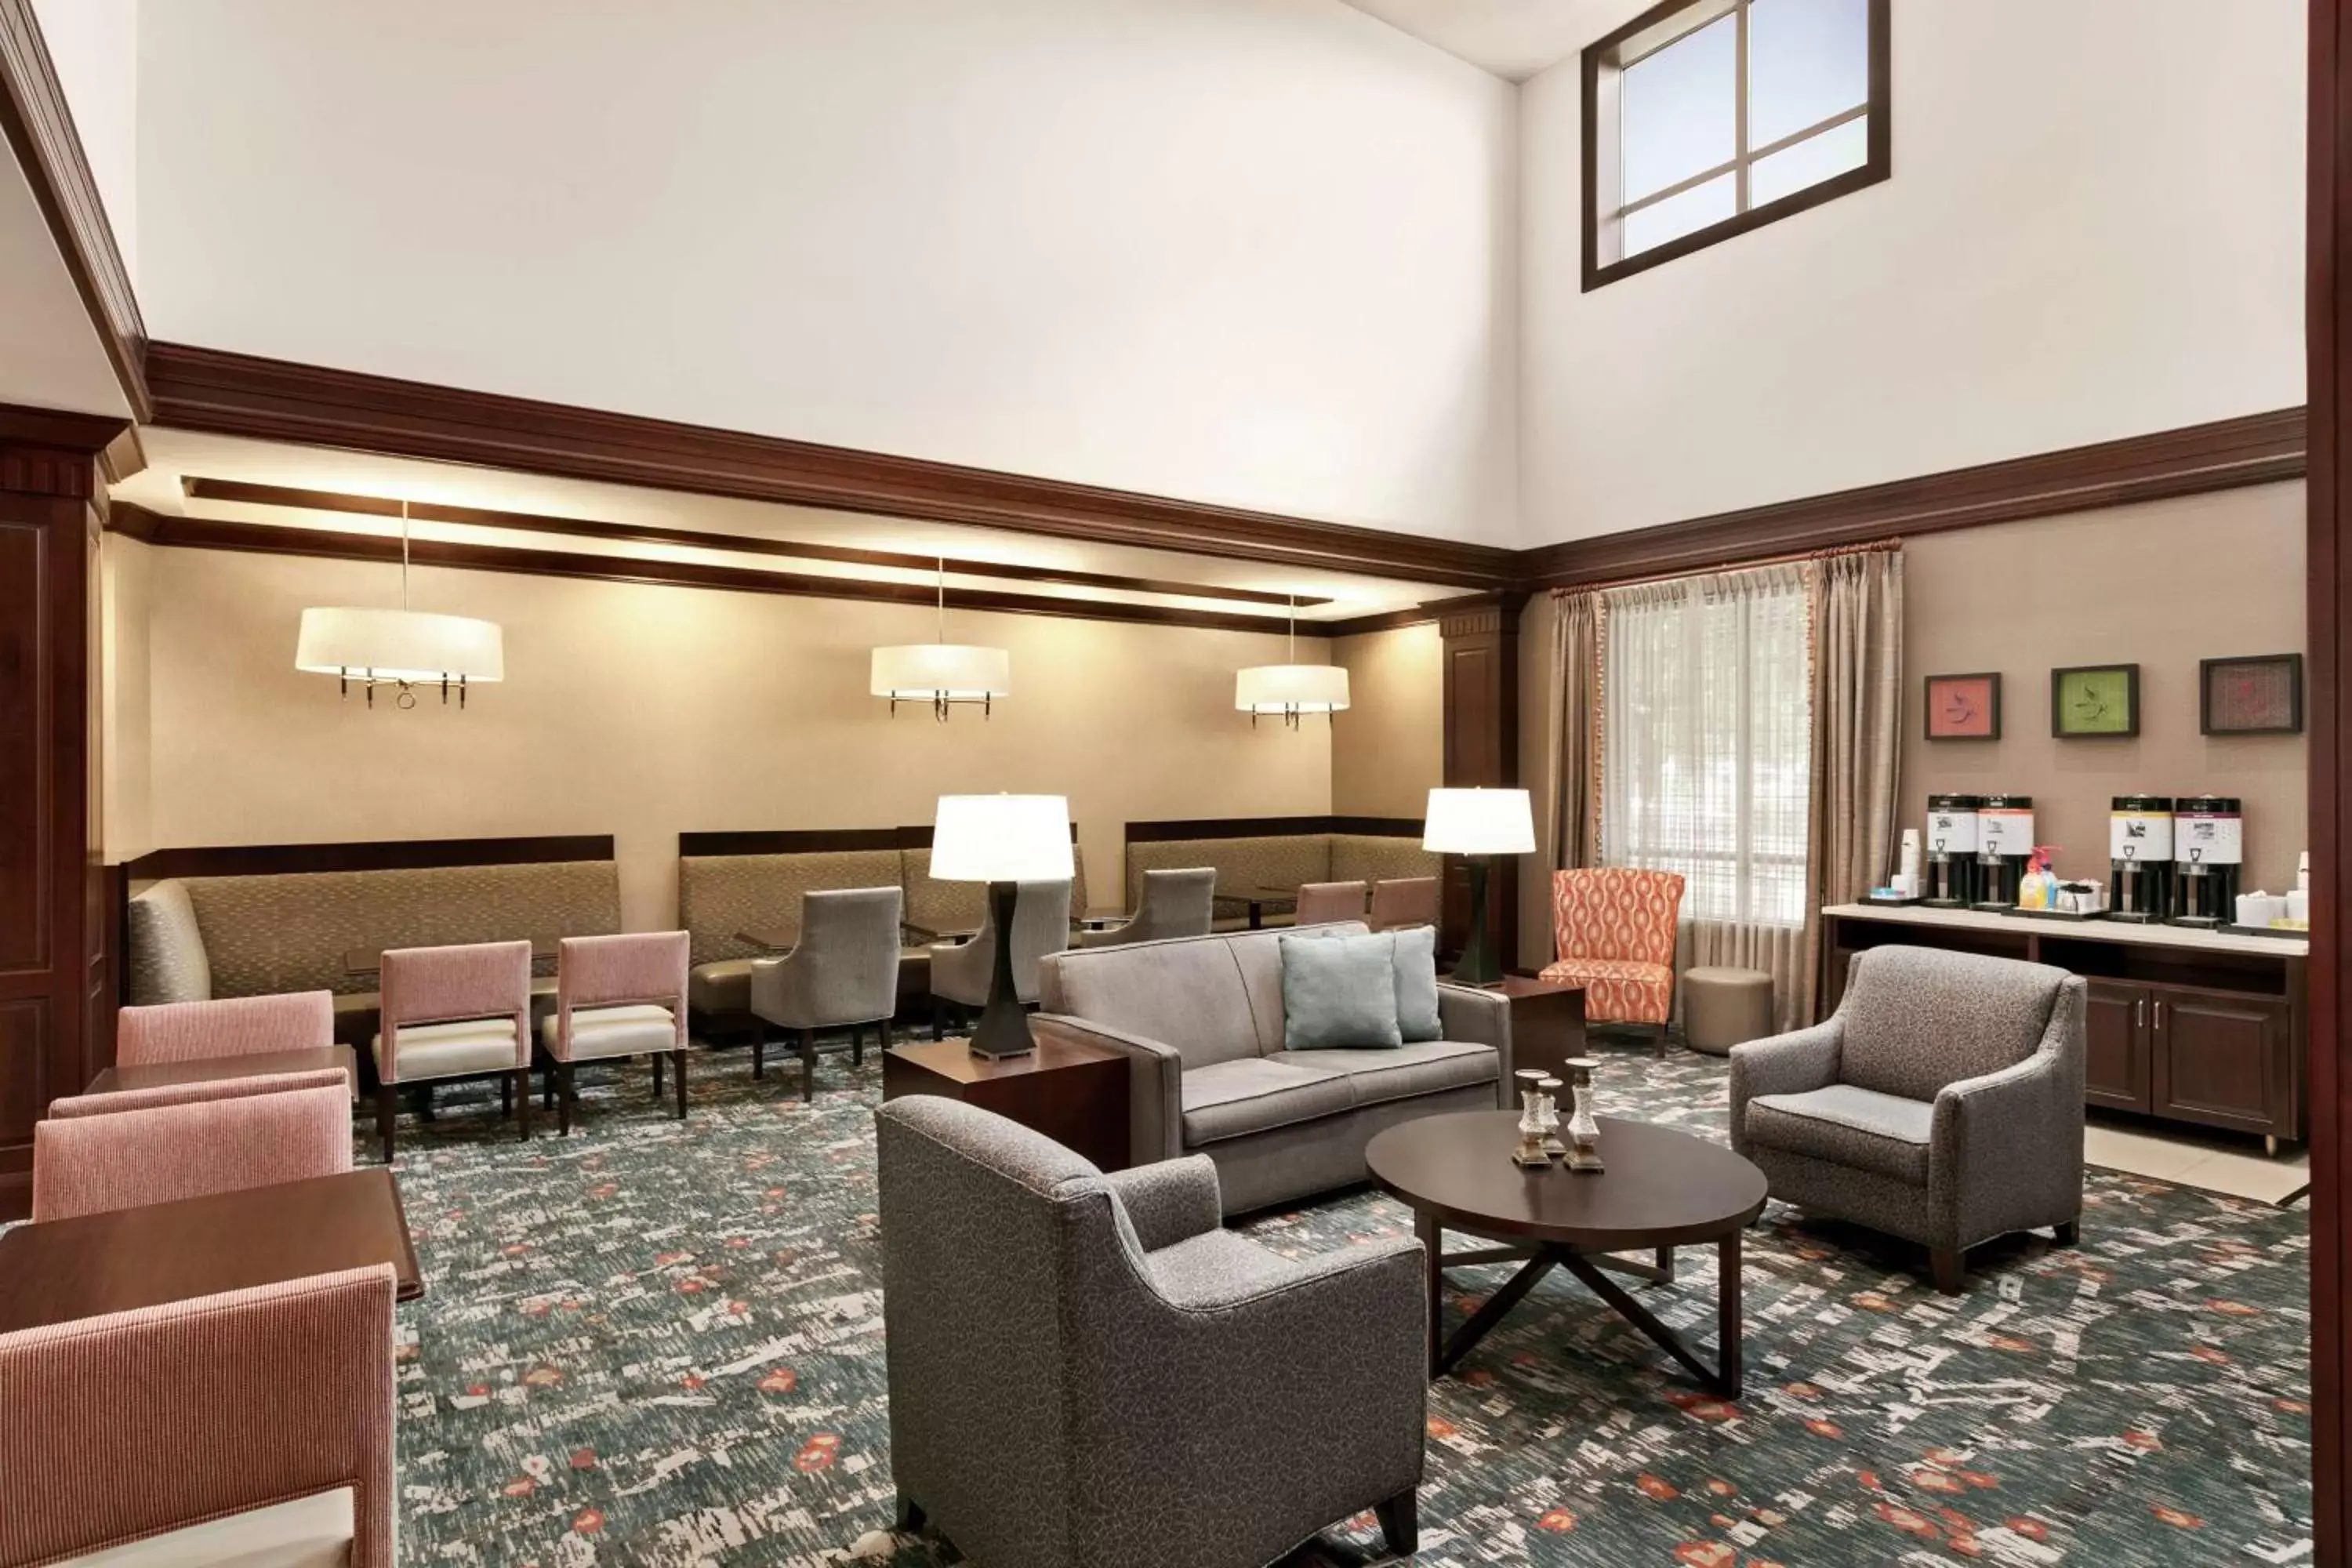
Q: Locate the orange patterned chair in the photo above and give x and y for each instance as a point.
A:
(1614, 931)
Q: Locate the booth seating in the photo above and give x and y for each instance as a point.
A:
(1245, 862)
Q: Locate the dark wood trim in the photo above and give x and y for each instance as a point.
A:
(48, 451)
(810, 840)
(38, 127)
(1481, 718)
(2259, 448)
(373, 855)
(1269, 827)
(242, 394)
(1423, 614)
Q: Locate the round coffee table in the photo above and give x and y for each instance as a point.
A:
(1662, 1189)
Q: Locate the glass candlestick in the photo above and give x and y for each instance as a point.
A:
(1584, 1129)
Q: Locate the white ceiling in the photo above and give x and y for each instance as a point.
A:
(1513, 38)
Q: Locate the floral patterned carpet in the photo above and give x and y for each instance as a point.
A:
(661, 1342)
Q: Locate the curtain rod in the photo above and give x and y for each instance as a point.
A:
(1875, 546)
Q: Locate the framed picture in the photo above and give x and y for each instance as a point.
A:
(2094, 700)
(2259, 696)
(1964, 707)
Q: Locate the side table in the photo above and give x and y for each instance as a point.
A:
(1073, 1091)
(1547, 1022)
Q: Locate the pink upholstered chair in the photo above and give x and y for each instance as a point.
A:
(1322, 903)
(452, 1013)
(262, 1418)
(197, 1092)
(231, 1026)
(88, 1164)
(617, 997)
(1401, 901)
(1613, 927)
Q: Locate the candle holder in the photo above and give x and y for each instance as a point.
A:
(1584, 1130)
(1552, 1145)
(1534, 1122)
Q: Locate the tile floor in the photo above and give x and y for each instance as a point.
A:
(2217, 1162)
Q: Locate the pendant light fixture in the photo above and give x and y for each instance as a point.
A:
(942, 673)
(1291, 689)
(405, 647)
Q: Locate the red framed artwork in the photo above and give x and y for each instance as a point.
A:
(1964, 707)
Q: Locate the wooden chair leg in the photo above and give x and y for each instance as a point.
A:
(678, 1072)
(659, 1056)
(939, 1019)
(858, 1045)
(1399, 1519)
(387, 1112)
(808, 1066)
(567, 1095)
(884, 1031)
(522, 1097)
(506, 1096)
(547, 1087)
(758, 1050)
(1950, 1269)
(2069, 1233)
(424, 1103)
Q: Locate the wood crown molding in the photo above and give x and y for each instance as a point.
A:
(1182, 829)
(49, 452)
(369, 855)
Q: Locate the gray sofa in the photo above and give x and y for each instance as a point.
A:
(1942, 1102)
(1085, 1369)
(1200, 1021)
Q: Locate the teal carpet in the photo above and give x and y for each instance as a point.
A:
(661, 1342)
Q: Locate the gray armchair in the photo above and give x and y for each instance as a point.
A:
(1180, 902)
(843, 974)
(960, 972)
(1942, 1102)
(1083, 1369)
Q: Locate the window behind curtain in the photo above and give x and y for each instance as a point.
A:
(1706, 741)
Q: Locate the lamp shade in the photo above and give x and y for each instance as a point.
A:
(1002, 838)
(1480, 822)
(1292, 689)
(399, 645)
(934, 671)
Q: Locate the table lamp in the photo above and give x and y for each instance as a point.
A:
(1478, 824)
(1002, 840)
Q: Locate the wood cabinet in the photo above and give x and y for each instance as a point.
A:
(2117, 1068)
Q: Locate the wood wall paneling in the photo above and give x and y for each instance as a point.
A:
(1482, 750)
(365, 855)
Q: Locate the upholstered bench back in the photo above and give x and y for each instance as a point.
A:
(721, 896)
(1278, 860)
(1379, 858)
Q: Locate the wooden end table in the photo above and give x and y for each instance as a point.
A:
(1074, 1091)
(210, 1069)
(1547, 1021)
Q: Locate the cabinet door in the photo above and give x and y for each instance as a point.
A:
(2223, 1060)
(2116, 1072)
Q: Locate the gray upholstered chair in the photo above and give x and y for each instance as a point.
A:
(842, 974)
(1400, 901)
(1176, 902)
(1320, 903)
(1085, 1369)
(960, 972)
(1942, 1102)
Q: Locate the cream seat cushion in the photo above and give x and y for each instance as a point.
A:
(629, 1031)
(308, 1532)
(461, 1049)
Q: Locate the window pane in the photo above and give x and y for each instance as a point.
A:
(1679, 215)
(1807, 59)
(1809, 162)
(1681, 109)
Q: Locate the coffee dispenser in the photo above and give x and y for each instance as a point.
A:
(2139, 859)
(2209, 846)
(1951, 880)
(2004, 848)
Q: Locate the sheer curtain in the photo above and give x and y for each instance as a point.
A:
(1706, 760)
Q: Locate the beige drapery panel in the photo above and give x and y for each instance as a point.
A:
(1572, 783)
(1857, 628)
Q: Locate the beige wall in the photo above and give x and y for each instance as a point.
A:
(2162, 585)
(641, 711)
(125, 591)
(1388, 750)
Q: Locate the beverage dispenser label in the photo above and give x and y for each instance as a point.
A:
(2211, 840)
(2007, 832)
(1951, 833)
(2139, 836)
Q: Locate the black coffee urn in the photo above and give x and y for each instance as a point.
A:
(1951, 869)
(2004, 848)
(2209, 846)
(2139, 859)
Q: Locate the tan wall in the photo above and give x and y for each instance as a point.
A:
(125, 589)
(2163, 585)
(642, 711)
(1388, 750)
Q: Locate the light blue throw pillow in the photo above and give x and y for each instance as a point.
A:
(1416, 983)
(1339, 992)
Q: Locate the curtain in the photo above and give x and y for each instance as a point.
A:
(1857, 703)
(1572, 795)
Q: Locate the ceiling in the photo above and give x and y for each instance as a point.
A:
(1513, 38)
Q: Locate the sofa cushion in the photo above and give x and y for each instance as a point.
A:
(1985, 1013)
(167, 949)
(724, 986)
(1212, 1267)
(462, 1049)
(1187, 993)
(306, 1533)
(721, 895)
(1859, 1128)
(1254, 1094)
(1618, 990)
(1416, 982)
(1339, 989)
(1401, 1072)
(637, 1029)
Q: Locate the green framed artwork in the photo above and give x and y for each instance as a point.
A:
(2095, 701)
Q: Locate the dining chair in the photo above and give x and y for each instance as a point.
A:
(91, 1164)
(617, 997)
(251, 1426)
(1179, 901)
(962, 971)
(454, 1013)
(198, 1092)
(844, 974)
(229, 1027)
(1615, 930)
(1401, 901)
(1319, 903)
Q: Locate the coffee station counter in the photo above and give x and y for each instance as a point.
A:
(2185, 1025)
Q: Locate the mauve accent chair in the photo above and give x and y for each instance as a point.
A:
(962, 971)
(1320, 903)
(454, 1011)
(842, 974)
(89, 1164)
(231, 1026)
(1942, 1102)
(1180, 902)
(253, 1426)
(1085, 1369)
(1401, 901)
(1613, 930)
(197, 1092)
(617, 997)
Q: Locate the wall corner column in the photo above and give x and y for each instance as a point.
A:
(1481, 643)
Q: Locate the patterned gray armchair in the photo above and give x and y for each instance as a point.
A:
(1175, 902)
(1942, 1102)
(961, 971)
(1085, 1369)
(844, 974)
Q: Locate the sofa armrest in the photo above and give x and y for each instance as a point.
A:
(1169, 1200)
(1155, 1084)
(1479, 1017)
(1794, 1063)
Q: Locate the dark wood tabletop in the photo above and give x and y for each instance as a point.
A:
(58, 1270)
(363, 961)
(1662, 1187)
(208, 1069)
(1517, 985)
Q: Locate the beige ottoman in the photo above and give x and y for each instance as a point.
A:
(1722, 1008)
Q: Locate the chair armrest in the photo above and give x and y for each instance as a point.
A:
(1794, 1063)
(1479, 1017)
(1169, 1200)
(2005, 1149)
(1155, 1084)
(776, 989)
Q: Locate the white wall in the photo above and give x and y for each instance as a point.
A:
(94, 48)
(1259, 252)
(2095, 230)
